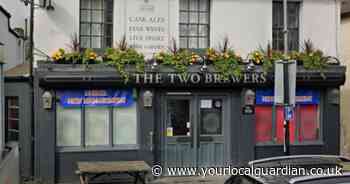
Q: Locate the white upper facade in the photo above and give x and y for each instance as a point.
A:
(152, 24)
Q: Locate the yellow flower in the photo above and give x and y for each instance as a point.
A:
(58, 55)
(226, 55)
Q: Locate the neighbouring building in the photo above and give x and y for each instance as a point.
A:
(13, 46)
(345, 57)
(90, 112)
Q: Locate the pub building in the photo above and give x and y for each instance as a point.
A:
(193, 118)
(176, 120)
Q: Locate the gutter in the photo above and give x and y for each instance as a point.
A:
(8, 15)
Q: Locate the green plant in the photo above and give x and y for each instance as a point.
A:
(119, 58)
(312, 59)
(226, 61)
(228, 64)
(267, 57)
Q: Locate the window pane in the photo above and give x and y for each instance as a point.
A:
(183, 17)
(293, 23)
(178, 114)
(68, 126)
(203, 30)
(85, 16)
(96, 4)
(85, 4)
(96, 126)
(96, 29)
(193, 17)
(12, 119)
(211, 117)
(193, 43)
(183, 42)
(96, 16)
(193, 4)
(85, 42)
(85, 29)
(184, 4)
(203, 18)
(203, 43)
(125, 125)
(204, 5)
(183, 30)
(96, 42)
(309, 123)
(193, 30)
(263, 124)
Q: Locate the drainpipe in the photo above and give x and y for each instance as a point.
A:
(2, 102)
(31, 79)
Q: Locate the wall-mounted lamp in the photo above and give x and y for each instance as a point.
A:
(2, 53)
(249, 97)
(41, 3)
(50, 7)
(204, 67)
(334, 96)
(47, 100)
(154, 64)
(147, 99)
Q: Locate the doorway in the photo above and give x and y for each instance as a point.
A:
(195, 130)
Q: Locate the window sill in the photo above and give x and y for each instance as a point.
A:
(311, 143)
(98, 148)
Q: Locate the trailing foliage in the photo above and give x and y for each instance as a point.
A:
(225, 60)
(120, 58)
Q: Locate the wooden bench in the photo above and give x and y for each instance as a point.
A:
(88, 171)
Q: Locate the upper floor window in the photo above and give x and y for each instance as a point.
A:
(194, 24)
(96, 23)
(293, 26)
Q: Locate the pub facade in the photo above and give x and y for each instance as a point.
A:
(147, 81)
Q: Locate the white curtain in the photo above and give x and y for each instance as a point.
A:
(125, 125)
(96, 126)
(68, 126)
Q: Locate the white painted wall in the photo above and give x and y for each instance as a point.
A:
(319, 22)
(248, 23)
(53, 29)
(18, 11)
(13, 46)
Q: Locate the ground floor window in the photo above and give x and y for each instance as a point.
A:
(12, 119)
(105, 119)
(304, 127)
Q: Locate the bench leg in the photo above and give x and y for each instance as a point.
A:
(81, 179)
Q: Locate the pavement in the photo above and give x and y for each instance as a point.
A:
(188, 180)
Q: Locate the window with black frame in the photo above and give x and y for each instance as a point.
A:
(293, 26)
(194, 24)
(92, 123)
(96, 23)
(12, 119)
(305, 125)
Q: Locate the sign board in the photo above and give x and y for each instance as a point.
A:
(147, 25)
(303, 96)
(96, 98)
(280, 81)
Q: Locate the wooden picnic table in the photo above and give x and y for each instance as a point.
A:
(88, 171)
